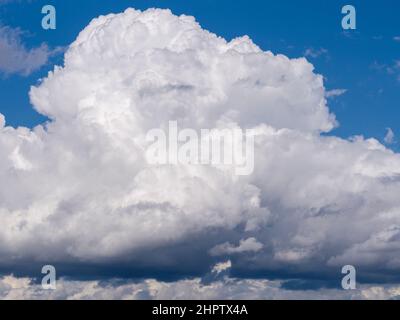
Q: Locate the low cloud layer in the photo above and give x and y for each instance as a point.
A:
(78, 193)
(222, 287)
(26, 288)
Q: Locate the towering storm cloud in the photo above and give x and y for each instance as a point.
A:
(78, 192)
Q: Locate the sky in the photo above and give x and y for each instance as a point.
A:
(77, 192)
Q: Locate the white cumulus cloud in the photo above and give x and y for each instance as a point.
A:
(78, 191)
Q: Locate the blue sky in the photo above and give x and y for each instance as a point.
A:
(361, 61)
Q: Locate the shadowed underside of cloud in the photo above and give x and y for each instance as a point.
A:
(78, 191)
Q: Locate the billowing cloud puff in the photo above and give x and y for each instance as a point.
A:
(78, 191)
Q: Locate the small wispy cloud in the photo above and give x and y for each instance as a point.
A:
(222, 266)
(389, 137)
(391, 69)
(397, 38)
(335, 93)
(16, 58)
(315, 53)
(247, 245)
(394, 68)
